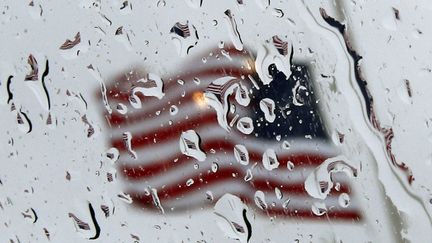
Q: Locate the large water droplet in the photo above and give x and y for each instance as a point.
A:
(233, 218)
(319, 183)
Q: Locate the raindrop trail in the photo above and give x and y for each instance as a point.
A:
(36, 217)
(85, 102)
(362, 84)
(95, 223)
(10, 95)
(355, 56)
(45, 73)
(28, 121)
(248, 225)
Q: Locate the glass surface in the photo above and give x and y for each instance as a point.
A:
(215, 121)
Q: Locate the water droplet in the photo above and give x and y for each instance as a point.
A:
(233, 218)
(125, 197)
(233, 31)
(173, 110)
(184, 37)
(150, 86)
(113, 154)
(242, 95)
(299, 94)
(121, 108)
(337, 186)
(344, 200)
(189, 145)
(286, 203)
(127, 140)
(269, 160)
(209, 196)
(274, 51)
(278, 13)
(278, 193)
(156, 200)
(241, 154)
(161, 3)
(249, 175)
(286, 145)
(319, 208)
(319, 183)
(260, 200)
(197, 81)
(194, 3)
(214, 167)
(290, 165)
(189, 182)
(245, 125)
(267, 106)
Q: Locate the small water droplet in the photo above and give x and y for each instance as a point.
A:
(209, 195)
(121, 108)
(260, 200)
(214, 167)
(269, 160)
(278, 193)
(173, 110)
(290, 165)
(249, 175)
(319, 208)
(286, 145)
(189, 182)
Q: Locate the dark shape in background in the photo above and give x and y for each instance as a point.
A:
(302, 120)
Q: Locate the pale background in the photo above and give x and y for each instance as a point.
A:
(393, 50)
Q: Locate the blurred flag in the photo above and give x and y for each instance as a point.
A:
(187, 138)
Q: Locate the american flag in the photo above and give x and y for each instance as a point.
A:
(187, 138)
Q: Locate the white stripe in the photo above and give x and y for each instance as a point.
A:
(186, 171)
(155, 122)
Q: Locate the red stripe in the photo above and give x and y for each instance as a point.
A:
(166, 133)
(143, 201)
(144, 114)
(351, 215)
(179, 189)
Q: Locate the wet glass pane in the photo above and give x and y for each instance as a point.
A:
(215, 121)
